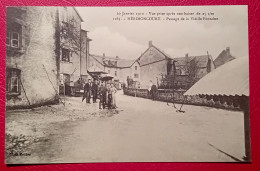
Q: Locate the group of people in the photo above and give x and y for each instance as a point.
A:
(105, 90)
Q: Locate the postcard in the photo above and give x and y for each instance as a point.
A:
(127, 84)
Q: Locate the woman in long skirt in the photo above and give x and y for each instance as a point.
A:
(114, 90)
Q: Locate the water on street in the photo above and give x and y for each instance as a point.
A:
(139, 130)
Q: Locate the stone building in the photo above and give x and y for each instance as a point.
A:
(43, 45)
(135, 71)
(31, 59)
(190, 69)
(167, 72)
(154, 64)
(84, 54)
(224, 57)
(119, 68)
(71, 47)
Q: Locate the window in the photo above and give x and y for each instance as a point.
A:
(12, 39)
(66, 78)
(13, 35)
(65, 29)
(136, 75)
(65, 55)
(15, 39)
(135, 67)
(115, 73)
(12, 81)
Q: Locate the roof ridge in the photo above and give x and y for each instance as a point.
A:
(166, 55)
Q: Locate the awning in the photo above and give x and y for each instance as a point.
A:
(231, 78)
(106, 77)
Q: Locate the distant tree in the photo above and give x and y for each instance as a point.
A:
(70, 34)
(191, 70)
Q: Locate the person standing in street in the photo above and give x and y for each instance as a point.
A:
(109, 96)
(87, 91)
(150, 87)
(113, 91)
(102, 95)
(94, 91)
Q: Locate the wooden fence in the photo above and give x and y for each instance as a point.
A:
(224, 102)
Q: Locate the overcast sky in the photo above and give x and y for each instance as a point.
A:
(128, 39)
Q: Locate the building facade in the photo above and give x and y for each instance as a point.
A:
(31, 58)
(44, 47)
(70, 45)
(154, 64)
(84, 54)
(167, 72)
(119, 68)
(190, 69)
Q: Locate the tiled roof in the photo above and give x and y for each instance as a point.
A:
(164, 53)
(201, 61)
(124, 63)
(94, 69)
(113, 62)
(223, 58)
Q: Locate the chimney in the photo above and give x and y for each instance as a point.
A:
(150, 43)
(228, 49)
(104, 55)
(117, 57)
(186, 55)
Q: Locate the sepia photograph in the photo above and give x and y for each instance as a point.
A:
(127, 84)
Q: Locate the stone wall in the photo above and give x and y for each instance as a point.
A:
(152, 72)
(36, 55)
(226, 102)
(153, 63)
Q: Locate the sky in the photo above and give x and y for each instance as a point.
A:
(128, 39)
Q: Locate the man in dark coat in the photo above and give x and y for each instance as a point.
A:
(94, 91)
(154, 92)
(87, 91)
(102, 93)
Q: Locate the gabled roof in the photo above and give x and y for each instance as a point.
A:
(99, 59)
(95, 69)
(223, 58)
(125, 63)
(165, 54)
(120, 63)
(201, 61)
(156, 48)
(78, 14)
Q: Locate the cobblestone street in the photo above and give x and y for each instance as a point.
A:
(138, 130)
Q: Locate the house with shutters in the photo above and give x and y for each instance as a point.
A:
(40, 49)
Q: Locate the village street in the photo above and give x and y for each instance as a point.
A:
(139, 130)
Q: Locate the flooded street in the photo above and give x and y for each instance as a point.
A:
(139, 130)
